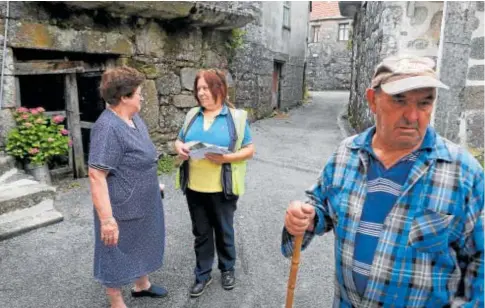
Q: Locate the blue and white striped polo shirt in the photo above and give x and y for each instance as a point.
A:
(383, 189)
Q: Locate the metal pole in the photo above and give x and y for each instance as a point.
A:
(4, 52)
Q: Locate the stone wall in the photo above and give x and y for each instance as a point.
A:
(367, 38)
(382, 29)
(264, 41)
(168, 52)
(328, 64)
(387, 28)
(474, 98)
(459, 111)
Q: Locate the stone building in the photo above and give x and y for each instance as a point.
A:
(55, 53)
(452, 33)
(269, 68)
(329, 48)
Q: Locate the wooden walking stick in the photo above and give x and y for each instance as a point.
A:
(295, 262)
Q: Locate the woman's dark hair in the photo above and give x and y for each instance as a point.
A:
(216, 81)
(119, 82)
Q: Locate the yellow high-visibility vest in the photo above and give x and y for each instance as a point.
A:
(237, 170)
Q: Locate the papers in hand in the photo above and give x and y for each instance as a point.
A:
(199, 149)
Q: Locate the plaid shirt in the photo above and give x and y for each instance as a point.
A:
(432, 240)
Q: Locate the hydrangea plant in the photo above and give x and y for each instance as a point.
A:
(37, 137)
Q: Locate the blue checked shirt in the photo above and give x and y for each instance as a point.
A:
(431, 247)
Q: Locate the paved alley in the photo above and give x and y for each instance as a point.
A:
(51, 267)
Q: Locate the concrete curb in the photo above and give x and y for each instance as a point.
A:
(22, 221)
(343, 123)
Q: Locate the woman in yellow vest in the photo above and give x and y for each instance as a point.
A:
(213, 184)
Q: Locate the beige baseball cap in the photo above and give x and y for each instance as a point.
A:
(398, 74)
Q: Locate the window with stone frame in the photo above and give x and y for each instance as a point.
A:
(286, 15)
(343, 31)
(314, 33)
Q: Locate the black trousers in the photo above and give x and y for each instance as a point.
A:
(212, 214)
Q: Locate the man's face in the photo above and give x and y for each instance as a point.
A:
(402, 119)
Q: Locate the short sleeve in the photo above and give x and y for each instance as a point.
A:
(247, 140)
(106, 148)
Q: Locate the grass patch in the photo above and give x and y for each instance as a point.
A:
(306, 96)
(479, 155)
(166, 164)
(279, 114)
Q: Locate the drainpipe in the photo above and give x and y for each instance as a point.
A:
(4, 52)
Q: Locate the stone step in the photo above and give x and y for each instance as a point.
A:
(13, 175)
(21, 221)
(22, 194)
(6, 163)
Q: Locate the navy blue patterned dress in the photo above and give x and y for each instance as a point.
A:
(131, 159)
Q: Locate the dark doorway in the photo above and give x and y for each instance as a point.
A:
(45, 91)
(276, 87)
(91, 105)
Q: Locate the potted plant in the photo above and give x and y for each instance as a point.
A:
(36, 139)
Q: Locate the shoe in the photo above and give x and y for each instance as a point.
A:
(199, 287)
(228, 280)
(152, 291)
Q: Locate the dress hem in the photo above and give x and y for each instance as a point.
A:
(124, 282)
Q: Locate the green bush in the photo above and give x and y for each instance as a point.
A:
(167, 164)
(37, 137)
(234, 42)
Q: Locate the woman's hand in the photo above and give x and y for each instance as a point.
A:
(182, 150)
(244, 153)
(218, 158)
(109, 231)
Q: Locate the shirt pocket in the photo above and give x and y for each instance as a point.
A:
(128, 208)
(430, 231)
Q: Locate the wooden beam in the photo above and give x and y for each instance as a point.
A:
(61, 171)
(18, 101)
(46, 72)
(53, 67)
(71, 159)
(54, 113)
(73, 120)
(87, 125)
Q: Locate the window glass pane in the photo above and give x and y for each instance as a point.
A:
(286, 16)
(314, 33)
(343, 34)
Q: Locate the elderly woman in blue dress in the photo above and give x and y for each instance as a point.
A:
(128, 216)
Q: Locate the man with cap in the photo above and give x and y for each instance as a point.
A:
(405, 204)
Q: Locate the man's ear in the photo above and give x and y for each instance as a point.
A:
(371, 99)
